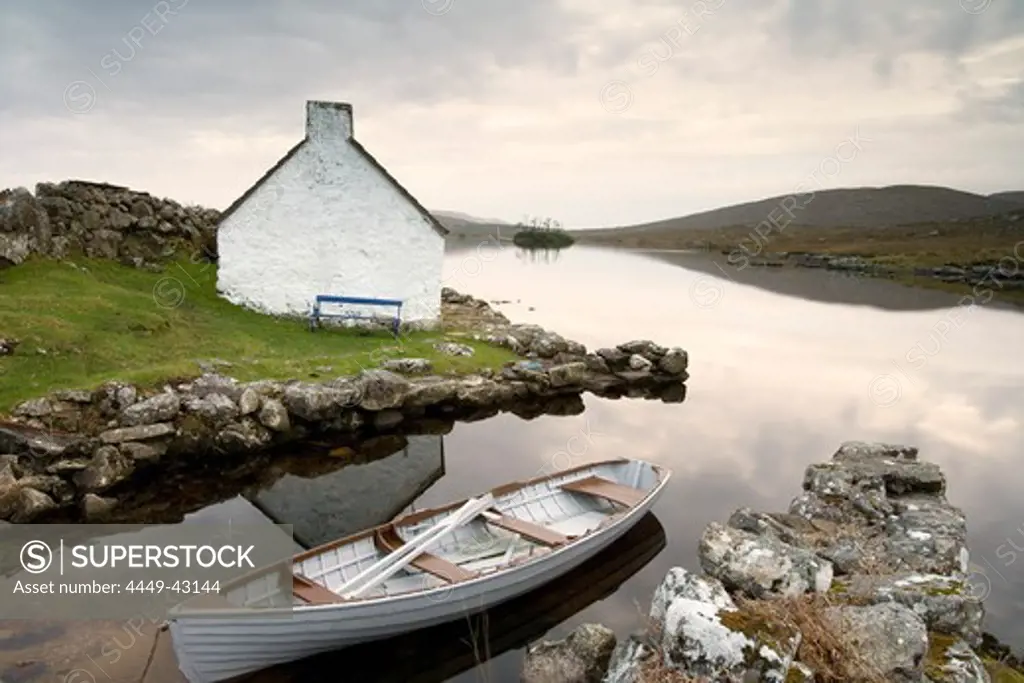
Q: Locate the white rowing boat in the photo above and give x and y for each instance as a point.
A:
(421, 569)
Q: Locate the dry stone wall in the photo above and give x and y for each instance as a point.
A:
(101, 221)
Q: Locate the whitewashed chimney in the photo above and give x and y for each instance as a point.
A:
(328, 122)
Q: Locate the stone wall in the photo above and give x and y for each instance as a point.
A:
(80, 449)
(865, 578)
(101, 221)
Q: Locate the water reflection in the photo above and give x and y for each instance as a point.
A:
(777, 381)
(538, 254)
(354, 498)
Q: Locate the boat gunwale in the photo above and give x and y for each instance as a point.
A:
(180, 612)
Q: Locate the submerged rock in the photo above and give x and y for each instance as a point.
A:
(582, 657)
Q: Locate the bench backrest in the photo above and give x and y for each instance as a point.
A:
(329, 299)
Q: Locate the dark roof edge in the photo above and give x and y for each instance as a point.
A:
(434, 223)
(262, 179)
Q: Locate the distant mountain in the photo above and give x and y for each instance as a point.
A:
(459, 216)
(869, 207)
(1017, 196)
(464, 225)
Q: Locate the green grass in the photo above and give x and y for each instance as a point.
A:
(80, 327)
(1001, 673)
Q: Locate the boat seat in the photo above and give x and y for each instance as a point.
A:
(600, 487)
(389, 540)
(313, 593)
(529, 530)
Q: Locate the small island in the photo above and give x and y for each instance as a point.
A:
(541, 233)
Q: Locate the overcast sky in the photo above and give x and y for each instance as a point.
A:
(593, 112)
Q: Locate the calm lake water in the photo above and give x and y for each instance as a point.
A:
(784, 366)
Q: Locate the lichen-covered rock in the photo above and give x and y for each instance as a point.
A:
(243, 436)
(568, 374)
(160, 408)
(680, 584)
(927, 535)
(453, 349)
(37, 407)
(944, 603)
(582, 657)
(638, 363)
(214, 383)
(477, 391)
(643, 347)
(674, 362)
(89, 218)
(143, 452)
(31, 504)
(761, 566)
(140, 433)
(10, 490)
(894, 639)
(249, 401)
(409, 366)
(107, 468)
(699, 633)
(95, 507)
(274, 416)
(74, 396)
(704, 641)
(215, 408)
(951, 660)
(382, 389)
(313, 402)
(430, 391)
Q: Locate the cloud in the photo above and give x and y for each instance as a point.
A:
(494, 108)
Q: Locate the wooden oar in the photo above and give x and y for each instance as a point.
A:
(386, 567)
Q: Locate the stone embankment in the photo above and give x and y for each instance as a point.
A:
(864, 578)
(101, 221)
(1005, 274)
(75, 448)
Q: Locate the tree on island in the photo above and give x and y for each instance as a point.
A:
(541, 233)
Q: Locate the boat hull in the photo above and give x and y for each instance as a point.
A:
(211, 649)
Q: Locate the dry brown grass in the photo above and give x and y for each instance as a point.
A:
(829, 648)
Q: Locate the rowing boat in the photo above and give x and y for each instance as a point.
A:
(423, 568)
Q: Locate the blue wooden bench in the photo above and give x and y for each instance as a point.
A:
(318, 312)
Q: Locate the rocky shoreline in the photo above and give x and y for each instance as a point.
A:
(1003, 274)
(865, 578)
(70, 450)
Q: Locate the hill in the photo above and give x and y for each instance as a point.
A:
(462, 225)
(1017, 196)
(865, 207)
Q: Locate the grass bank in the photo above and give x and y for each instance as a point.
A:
(84, 323)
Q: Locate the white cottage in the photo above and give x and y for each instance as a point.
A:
(329, 219)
